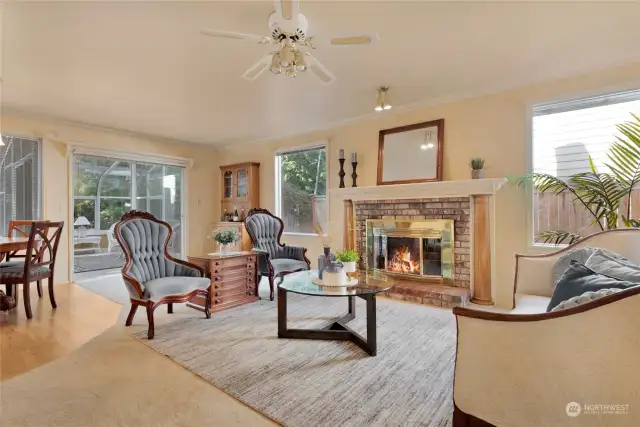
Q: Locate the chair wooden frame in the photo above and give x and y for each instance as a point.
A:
(39, 244)
(169, 299)
(272, 276)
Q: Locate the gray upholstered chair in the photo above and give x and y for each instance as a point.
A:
(276, 259)
(152, 276)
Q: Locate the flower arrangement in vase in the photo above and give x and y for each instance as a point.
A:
(225, 238)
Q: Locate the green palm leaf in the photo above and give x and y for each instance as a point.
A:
(558, 237)
(624, 155)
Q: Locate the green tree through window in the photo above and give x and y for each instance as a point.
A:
(303, 181)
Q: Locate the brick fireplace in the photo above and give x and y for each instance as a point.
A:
(435, 238)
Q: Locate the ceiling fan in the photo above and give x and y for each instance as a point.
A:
(289, 32)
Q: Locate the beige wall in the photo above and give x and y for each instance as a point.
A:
(202, 177)
(495, 127)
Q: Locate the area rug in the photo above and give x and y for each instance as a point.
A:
(108, 284)
(301, 383)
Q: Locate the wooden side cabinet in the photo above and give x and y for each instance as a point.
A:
(234, 279)
(240, 187)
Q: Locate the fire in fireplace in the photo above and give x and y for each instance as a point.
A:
(403, 255)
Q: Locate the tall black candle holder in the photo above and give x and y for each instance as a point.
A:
(354, 175)
(341, 174)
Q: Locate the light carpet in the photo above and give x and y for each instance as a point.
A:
(301, 383)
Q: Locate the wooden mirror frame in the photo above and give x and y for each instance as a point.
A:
(437, 123)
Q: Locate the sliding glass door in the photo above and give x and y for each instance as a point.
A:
(104, 189)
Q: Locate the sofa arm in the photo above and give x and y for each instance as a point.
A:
(534, 274)
(522, 370)
(263, 260)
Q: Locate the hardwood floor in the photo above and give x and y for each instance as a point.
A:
(26, 344)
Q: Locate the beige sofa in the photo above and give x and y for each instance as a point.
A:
(522, 369)
(533, 282)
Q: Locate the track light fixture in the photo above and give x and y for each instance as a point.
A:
(383, 99)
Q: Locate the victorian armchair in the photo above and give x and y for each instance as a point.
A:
(276, 259)
(151, 275)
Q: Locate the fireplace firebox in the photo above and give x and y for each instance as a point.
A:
(414, 249)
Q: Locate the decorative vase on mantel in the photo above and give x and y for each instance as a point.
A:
(477, 173)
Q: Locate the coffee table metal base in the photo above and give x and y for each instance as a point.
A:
(337, 330)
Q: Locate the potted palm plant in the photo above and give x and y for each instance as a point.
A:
(606, 196)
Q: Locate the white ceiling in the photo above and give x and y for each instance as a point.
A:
(144, 67)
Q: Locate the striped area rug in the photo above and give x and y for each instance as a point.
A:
(304, 383)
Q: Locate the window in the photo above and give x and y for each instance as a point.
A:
(19, 180)
(301, 188)
(565, 136)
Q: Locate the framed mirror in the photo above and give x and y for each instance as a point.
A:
(412, 153)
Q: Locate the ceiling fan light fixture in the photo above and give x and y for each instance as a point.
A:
(287, 56)
(275, 64)
(383, 100)
(301, 65)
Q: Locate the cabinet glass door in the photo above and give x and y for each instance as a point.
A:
(228, 184)
(242, 183)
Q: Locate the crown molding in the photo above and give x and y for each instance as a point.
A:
(8, 110)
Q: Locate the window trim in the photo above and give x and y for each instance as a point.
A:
(586, 100)
(278, 182)
(39, 168)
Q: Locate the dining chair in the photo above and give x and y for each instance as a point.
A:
(21, 228)
(39, 262)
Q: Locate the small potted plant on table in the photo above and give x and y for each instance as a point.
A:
(225, 239)
(348, 258)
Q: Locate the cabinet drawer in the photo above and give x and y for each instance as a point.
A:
(226, 276)
(237, 282)
(230, 292)
(232, 269)
(217, 300)
(237, 260)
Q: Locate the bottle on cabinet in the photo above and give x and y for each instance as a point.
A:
(225, 216)
(236, 217)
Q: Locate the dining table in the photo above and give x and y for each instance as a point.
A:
(10, 244)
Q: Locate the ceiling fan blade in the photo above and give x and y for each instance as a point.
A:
(354, 40)
(320, 70)
(287, 9)
(234, 35)
(258, 68)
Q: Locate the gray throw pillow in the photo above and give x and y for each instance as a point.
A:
(579, 279)
(584, 298)
(603, 263)
(580, 255)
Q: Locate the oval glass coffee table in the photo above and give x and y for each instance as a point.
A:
(370, 284)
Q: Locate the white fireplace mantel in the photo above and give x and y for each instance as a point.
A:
(463, 188)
